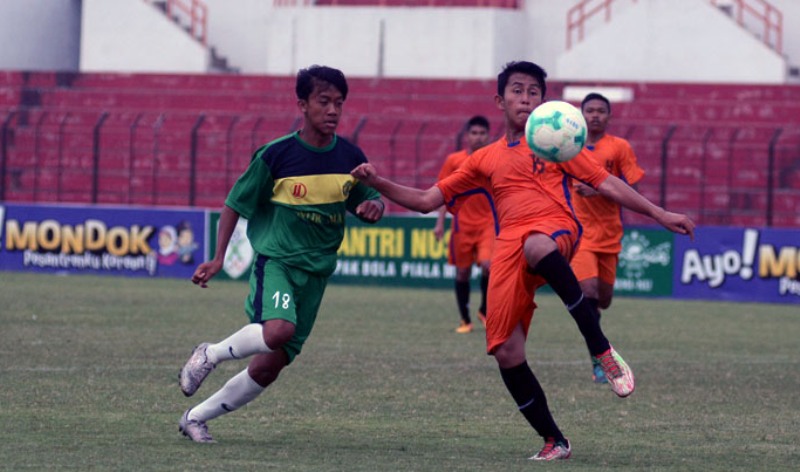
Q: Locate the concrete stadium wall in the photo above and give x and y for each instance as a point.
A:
(675, 40)
(653, 41)
(132, 36)
(40, 34)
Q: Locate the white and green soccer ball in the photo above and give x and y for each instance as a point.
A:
(556, 131)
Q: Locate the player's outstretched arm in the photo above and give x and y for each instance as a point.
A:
(423, 201)
(622, 193)
(205, 271)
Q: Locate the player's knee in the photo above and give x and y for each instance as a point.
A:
(508, 355)
(604, 303)
(462, 275)
(265, 368)
(277, 333)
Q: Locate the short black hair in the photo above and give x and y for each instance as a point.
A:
(595, 96)
(522, 67)
(306, 79)
(478, 120)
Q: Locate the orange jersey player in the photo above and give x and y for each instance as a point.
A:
(595, 263)
(538, 234)
(472, 230)
(515, 174)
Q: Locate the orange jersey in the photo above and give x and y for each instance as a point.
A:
(474, 213)
(530, 195)
(525, 189)
(600, 217)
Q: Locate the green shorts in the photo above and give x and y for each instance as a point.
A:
(281, 292)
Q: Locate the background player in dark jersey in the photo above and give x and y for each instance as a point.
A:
(294, 194)
(472, 230)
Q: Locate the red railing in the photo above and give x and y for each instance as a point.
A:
(759, 12)
(763, 13)
(190, 14)
(508, 4)
(583, 11)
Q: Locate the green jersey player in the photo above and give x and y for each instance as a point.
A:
(294, 194)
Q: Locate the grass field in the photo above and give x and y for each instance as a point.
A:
(88, 371)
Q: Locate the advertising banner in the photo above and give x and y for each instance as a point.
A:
(125, 241)
(739, 264)
(645, 263)
(238, 257)
(396, 251)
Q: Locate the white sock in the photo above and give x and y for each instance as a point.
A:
(240, 390)
(243, 343)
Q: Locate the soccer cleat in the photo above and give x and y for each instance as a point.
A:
(598, 376)
(617, 372)
(195, 430)
(482, 317)
(195, 371)
(464, 328)
(553, 450)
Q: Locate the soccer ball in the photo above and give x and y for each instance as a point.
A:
(556, 131)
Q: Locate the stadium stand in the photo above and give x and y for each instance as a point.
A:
(725, 154)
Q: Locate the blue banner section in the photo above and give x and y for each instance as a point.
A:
(140, 242)
(738, 264)
(733, 264)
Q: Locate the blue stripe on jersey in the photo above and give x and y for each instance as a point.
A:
(558, 233)
(565, 181)
(475, 191)
(258, 299)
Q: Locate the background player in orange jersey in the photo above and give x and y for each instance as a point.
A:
(595, 262)
(472, 230)
(538, 234)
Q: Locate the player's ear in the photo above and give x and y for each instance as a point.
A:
(302, 105)
(500, 102)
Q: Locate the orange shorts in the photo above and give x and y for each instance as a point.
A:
(603, 265)
(471, 246)
(510, 299)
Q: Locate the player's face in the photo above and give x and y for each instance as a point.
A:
(521, 96)
(477, 137)
(596, 114)
(323, 109)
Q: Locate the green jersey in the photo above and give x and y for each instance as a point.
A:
(294, 197)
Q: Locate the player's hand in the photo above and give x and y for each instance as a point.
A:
(370, 210)
(584, 190)
(678, 223)
(438, 231)
(365, 173)
(205, 272)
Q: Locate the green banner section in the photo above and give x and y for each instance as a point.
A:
(399, 251)
(645, 263)
(402, 251)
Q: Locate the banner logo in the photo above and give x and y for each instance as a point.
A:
(638, 254)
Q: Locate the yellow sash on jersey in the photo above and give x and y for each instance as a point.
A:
(312, 189)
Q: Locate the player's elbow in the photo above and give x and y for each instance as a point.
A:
(424, 209)
(430, 200)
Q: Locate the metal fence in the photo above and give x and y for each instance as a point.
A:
(719, 175)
